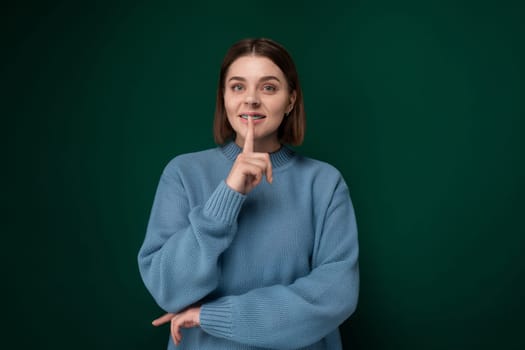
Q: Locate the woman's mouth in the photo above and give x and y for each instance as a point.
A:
(254, 116)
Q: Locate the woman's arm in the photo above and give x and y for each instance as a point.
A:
(178, 259)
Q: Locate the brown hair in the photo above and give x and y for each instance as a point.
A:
(291, 130)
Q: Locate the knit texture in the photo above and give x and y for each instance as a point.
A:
(276, 268)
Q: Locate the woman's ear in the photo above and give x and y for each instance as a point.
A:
(293, 97)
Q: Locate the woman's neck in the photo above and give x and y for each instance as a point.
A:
(261, 145)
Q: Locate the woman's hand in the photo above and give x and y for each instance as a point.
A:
(185, 319)
(249, 167)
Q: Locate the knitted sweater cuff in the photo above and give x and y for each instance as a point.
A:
(224, 204)
(216, 318)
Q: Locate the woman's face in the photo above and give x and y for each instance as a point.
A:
(255, 86)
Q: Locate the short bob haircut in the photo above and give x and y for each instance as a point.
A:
(291, 131)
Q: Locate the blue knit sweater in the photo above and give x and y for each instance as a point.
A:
(276, 268)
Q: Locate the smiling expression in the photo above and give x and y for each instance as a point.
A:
(255, 86)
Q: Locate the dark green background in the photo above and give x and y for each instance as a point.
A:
(420, 104)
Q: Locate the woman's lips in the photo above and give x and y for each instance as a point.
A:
(256, 118)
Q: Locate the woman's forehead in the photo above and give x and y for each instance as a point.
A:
(253, 67)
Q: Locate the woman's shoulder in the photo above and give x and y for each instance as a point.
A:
(322, 177)
(306, 163)
(320, 172)
(191, 160)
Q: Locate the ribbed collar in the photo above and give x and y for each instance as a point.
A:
(278, 158)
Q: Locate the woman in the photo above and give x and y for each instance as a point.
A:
(250, 245)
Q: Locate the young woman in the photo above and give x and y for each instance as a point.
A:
(250, 245)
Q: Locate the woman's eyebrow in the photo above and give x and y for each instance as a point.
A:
(237, 78)
(269, 77)
(265, 78)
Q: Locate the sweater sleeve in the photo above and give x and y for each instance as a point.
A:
(300, 314)
(178, 260)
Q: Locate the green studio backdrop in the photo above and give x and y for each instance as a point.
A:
(418, 103)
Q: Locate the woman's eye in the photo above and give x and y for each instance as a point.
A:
(269, 88)
(237, 87)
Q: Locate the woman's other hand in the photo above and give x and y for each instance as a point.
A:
(185, 319)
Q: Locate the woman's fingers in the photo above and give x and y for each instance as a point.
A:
(252, 176)
(257, 165)
(262, 161)
(186, 319)
(269, 169)
(248, 140)
(175, 332)
(163, 319)
(248, 171)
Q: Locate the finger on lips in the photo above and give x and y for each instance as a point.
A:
(248, 148)
(248, 141)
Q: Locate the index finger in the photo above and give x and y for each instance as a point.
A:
(248, 140)
(269, 172)
(163, 319)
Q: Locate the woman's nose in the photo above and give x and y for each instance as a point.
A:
(252, 99)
